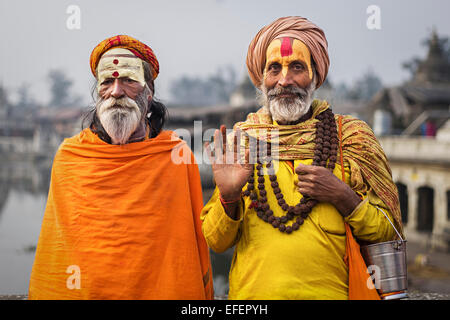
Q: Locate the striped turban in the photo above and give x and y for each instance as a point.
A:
(295, 27)
(138, 48)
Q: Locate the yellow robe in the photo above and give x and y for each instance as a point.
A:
(306, 264)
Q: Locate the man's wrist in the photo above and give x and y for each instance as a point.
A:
(230, 198)
(347, 201)
(231, 207)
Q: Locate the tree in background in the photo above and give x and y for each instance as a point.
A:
(212, 90)
(60, 90)
(362, 89)
(3, 98)
(25, 99)
(365, 87)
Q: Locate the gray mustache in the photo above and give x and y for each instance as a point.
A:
(122, 102)
(299, 92)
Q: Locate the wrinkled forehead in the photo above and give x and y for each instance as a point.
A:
(120, 63)
(119, 57)
(286, 49)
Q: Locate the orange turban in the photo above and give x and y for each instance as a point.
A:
(139, 49)
(295, 27)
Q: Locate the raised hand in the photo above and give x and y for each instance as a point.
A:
(231, 170)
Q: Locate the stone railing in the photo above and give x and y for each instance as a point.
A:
(416, 149)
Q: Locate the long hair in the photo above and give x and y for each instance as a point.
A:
(157, 110)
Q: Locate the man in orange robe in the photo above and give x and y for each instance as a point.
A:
(122, 218)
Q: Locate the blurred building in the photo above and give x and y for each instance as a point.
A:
(413, 126)
(26, 133)
(421, 105)
(421, 169)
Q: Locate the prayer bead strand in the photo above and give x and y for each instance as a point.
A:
(325, 155)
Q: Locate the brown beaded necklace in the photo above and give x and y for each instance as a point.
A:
(325, 154)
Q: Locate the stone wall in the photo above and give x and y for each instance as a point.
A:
(422, 165)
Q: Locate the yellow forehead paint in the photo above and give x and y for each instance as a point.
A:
(120, 63)
(282, 51)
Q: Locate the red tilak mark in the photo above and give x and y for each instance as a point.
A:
(116, 61)
(115, 74)
(286, 47)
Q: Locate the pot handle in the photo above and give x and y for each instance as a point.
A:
(384, 213)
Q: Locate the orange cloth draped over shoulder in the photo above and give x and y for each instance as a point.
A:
(123, 221)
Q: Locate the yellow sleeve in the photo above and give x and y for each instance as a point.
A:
(369, 223)
(220, 231)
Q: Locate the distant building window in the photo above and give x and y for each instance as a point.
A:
(425, 209)
(448, 205)
(403, 198)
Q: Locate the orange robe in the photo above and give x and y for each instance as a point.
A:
(122, 222)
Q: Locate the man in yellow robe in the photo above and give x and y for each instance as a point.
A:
(123, 216)
(287, 216)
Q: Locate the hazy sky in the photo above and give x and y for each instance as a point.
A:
(196, 37)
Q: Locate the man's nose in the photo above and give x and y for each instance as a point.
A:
(285, 79)
(117, 89)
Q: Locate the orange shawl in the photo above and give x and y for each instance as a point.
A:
(127, 218)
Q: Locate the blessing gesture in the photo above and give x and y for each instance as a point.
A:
(231, 168)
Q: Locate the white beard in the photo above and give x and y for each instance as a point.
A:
(119, 117)
(291, 109)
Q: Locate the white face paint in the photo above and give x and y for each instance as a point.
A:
(120, 63)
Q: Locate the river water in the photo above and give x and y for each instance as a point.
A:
(23, 196)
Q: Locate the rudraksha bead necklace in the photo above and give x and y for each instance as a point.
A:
(325, 154)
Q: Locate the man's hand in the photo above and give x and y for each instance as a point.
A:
(321, 184)
(231, 171)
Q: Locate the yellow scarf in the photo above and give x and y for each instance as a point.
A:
(370, 172)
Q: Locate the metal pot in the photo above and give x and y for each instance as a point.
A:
(388, 261)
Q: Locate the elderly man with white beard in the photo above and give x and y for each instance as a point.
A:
(122, 219)
(123, 117)
(292, 213)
